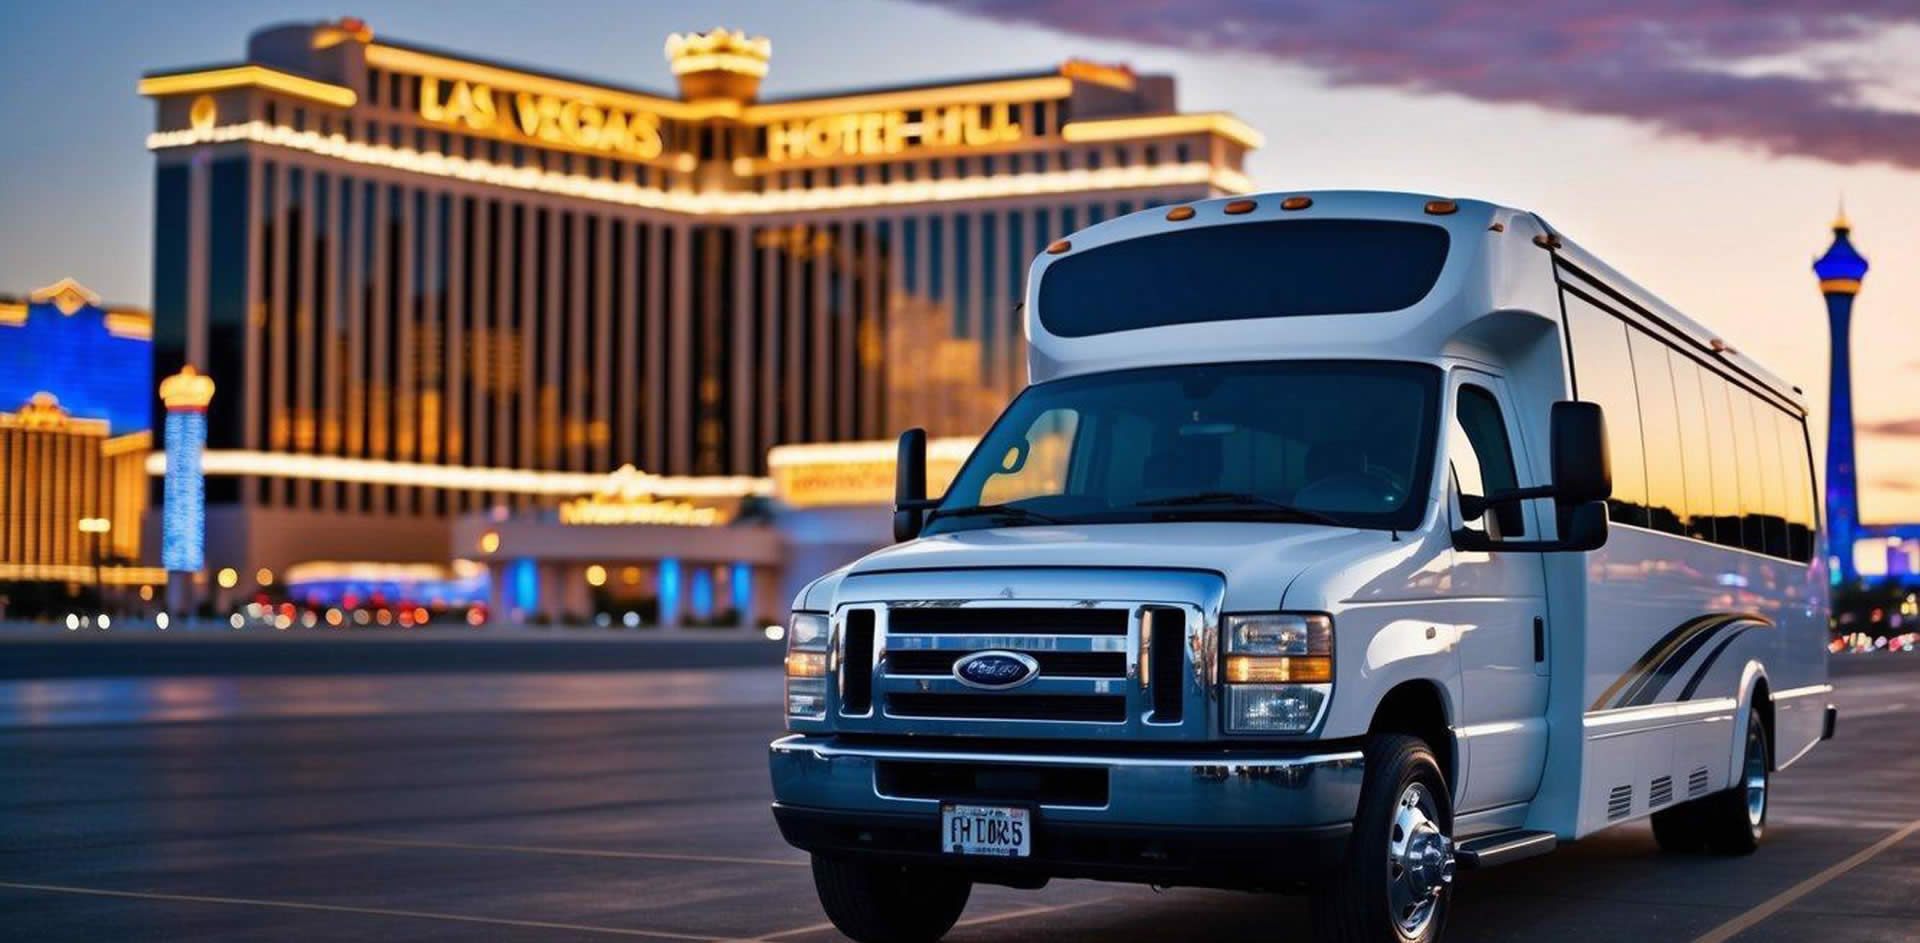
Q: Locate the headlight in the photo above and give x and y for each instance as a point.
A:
(807, 666)
(1278, 671)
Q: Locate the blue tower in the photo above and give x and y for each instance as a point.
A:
(1840, 271)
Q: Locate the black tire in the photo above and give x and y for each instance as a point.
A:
(1724, 823)
(877, 903)
(1677, 830)
(1355, 907)
(1728, 819)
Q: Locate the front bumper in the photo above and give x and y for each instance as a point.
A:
(1218, 817)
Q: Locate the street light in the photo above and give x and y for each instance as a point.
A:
(98, 527)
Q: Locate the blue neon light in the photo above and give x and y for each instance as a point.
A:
(183, 522)
(741, 582)
(702, 592)
(92, 372)
(670, 590)
(526, 585)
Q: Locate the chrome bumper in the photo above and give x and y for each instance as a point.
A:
(1237, 788)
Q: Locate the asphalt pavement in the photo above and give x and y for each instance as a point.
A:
(497, 801)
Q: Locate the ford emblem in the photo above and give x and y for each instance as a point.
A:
(995, 670)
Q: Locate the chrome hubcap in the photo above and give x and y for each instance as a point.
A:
(1756, 776)
(1419, 860)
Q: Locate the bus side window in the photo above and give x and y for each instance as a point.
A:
(1483, 459)
(1603, 374)
(1660, 425)
(1796, 462)
(1726, 460)
(1696, 454)
(1753, 501)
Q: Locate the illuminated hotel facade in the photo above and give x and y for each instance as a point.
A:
(429, 285)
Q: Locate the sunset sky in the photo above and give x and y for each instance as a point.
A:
(1701, 152)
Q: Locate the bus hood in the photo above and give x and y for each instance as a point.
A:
(1258, 560)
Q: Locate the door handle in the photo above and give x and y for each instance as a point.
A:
(1539, 639)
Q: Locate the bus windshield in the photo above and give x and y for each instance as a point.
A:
(1347, 443)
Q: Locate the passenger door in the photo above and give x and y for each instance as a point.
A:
(1499, 605)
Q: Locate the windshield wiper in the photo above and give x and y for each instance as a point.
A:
(1240, 501)
(1013, 511)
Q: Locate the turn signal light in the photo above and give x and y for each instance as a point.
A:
(1296, 203)
(1237, 207)
(1441, 207)
(806, 664)
(1059, 247)
(1251, 669)
(1179, 213)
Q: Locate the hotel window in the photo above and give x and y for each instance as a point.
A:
(393, 89)
(1153, 155)
(374, 78)
(1181, 153)
(1093, 159)
(1119, 157)
(1040, 113)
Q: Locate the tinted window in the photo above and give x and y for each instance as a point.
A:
(1773, 513)
(1695, 445)
(1603, 374)
(1242, 270)
(1796, 464)
(1483, 457)
(1350, 440)
(1753, 502)
(1726, 460)
(1660, 430)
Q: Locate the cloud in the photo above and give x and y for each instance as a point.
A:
(1762, 73)
(1890, 429)
(1899, 485)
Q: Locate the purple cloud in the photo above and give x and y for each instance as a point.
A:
(1891, 429)
(1663, 64)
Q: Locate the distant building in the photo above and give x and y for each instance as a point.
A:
(430, 285)
(1856, 552)
(74, 383)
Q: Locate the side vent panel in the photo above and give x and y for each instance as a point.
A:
(1163, 633)
(1661, 792)
(1619, 802)
(856, 665)
(1697, 783)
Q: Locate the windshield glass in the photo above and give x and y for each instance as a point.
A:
(1327, 442)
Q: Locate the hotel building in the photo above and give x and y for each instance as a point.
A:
(74, 386)
(430, 285)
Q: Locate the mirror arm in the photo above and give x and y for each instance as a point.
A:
(924, 504)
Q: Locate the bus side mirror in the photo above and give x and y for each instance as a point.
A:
(1582, 470)
(1586, 527)
(910, 485)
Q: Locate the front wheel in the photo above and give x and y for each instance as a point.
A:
(876, 903)
(1397, 881)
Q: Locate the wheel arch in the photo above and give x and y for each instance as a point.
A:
(1419, 708)
(1756, 693)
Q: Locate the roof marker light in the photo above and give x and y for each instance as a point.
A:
(1059, 247)
(1497, 227)
(1237, 207)
(1296, 203)
(1179, 213)
(1442, 207)
(1547, 240)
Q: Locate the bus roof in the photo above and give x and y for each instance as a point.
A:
(1491, 266)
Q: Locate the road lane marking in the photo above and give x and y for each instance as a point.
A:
(374, 911)
(971, 922)
(1745, 921)
(548, 850)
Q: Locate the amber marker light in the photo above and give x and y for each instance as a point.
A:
(1246, 669)
(1296, 203)
(1059, 247)
(1442, 207)
(806, 664)
(1237, 207)
(1179, 213)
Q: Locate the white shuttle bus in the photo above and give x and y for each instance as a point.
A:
(1341, 540)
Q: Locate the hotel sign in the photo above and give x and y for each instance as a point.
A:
(548, 119)
(880, 133)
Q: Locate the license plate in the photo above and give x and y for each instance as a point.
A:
(986, 830)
